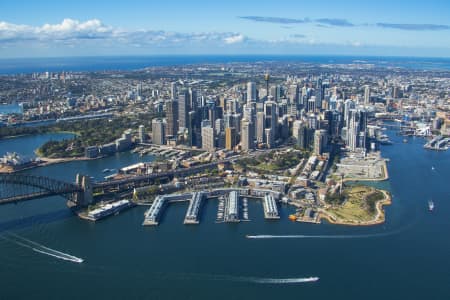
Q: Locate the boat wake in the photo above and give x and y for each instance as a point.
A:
(21, 241)
(281, 280)
(244, 279)
(301, 236)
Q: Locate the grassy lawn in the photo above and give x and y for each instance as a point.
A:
(360, 204)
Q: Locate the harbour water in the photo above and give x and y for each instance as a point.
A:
(126, 63)
(405, 258)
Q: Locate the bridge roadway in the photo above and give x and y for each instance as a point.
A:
(136, 180)
(15, 188)
(31, 196)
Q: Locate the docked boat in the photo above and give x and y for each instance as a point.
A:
(430, 205)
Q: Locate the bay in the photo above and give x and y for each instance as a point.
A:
(405, 258)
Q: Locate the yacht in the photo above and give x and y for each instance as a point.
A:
(430, 205)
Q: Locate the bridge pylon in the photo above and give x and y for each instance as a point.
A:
(84, 197)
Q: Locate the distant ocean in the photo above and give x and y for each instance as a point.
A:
(126, 63)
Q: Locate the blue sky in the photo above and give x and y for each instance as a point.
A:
(77, 28)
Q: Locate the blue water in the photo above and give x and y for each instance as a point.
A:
(10, 109)
(405, 258)
(108, 63)
(26, 145)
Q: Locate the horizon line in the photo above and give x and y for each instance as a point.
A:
(223, 55)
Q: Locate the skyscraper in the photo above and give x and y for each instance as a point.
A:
(270, 113)
(158, 136)
(319, 93)
(230, 138)
(366, 95)
(247, 135)
(172, 118)
(251, 92)
(260, 127)
(183, 109)
(173, 90)
(208, 136)
(141, 133)
(320, 141)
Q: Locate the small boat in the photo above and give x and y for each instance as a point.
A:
(106, 170)
(430, 205)
(405, 140)
(293, 217)
(432, 168)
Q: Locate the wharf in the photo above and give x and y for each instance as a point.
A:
(194, 208)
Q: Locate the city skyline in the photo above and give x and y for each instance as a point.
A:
(400, 28)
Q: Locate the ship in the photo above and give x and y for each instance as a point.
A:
(430, 205)
(384, 140)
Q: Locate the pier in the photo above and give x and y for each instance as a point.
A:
(232, 207)
(194, 208)
(437, 143)
(270, 207)
(153, 214)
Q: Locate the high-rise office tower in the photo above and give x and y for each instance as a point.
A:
(141, 134)
(260, 127)
(251, 92)
(366, 95)
(275, 92)
(230, 138)
(219, 126)
(293, 94)
(173, 90)
(183, 109)
(270, 113)
(270, 140)
(208, 136)
(247, 135)
(158, 136)
(320, 141)
(319, 93)
(172, 118)
(193, 99)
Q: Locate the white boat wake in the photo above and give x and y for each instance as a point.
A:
(281, 280)
(301, 236)
(21, 241)
(63, 256)
(243, 279)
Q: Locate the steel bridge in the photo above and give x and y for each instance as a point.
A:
(16, 188)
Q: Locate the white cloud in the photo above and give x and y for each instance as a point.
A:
(74, 30)
(66, 30)
(239, 38)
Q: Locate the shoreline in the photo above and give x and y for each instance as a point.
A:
(33, 134)
(46, 161)
(379, 217)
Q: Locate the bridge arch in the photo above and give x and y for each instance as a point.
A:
(23, 187)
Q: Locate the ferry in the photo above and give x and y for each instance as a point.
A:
(430, 205)
(293, 217)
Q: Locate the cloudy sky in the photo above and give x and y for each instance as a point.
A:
(78, 28)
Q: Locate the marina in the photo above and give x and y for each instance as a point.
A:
(439, 143)
(232, 205)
